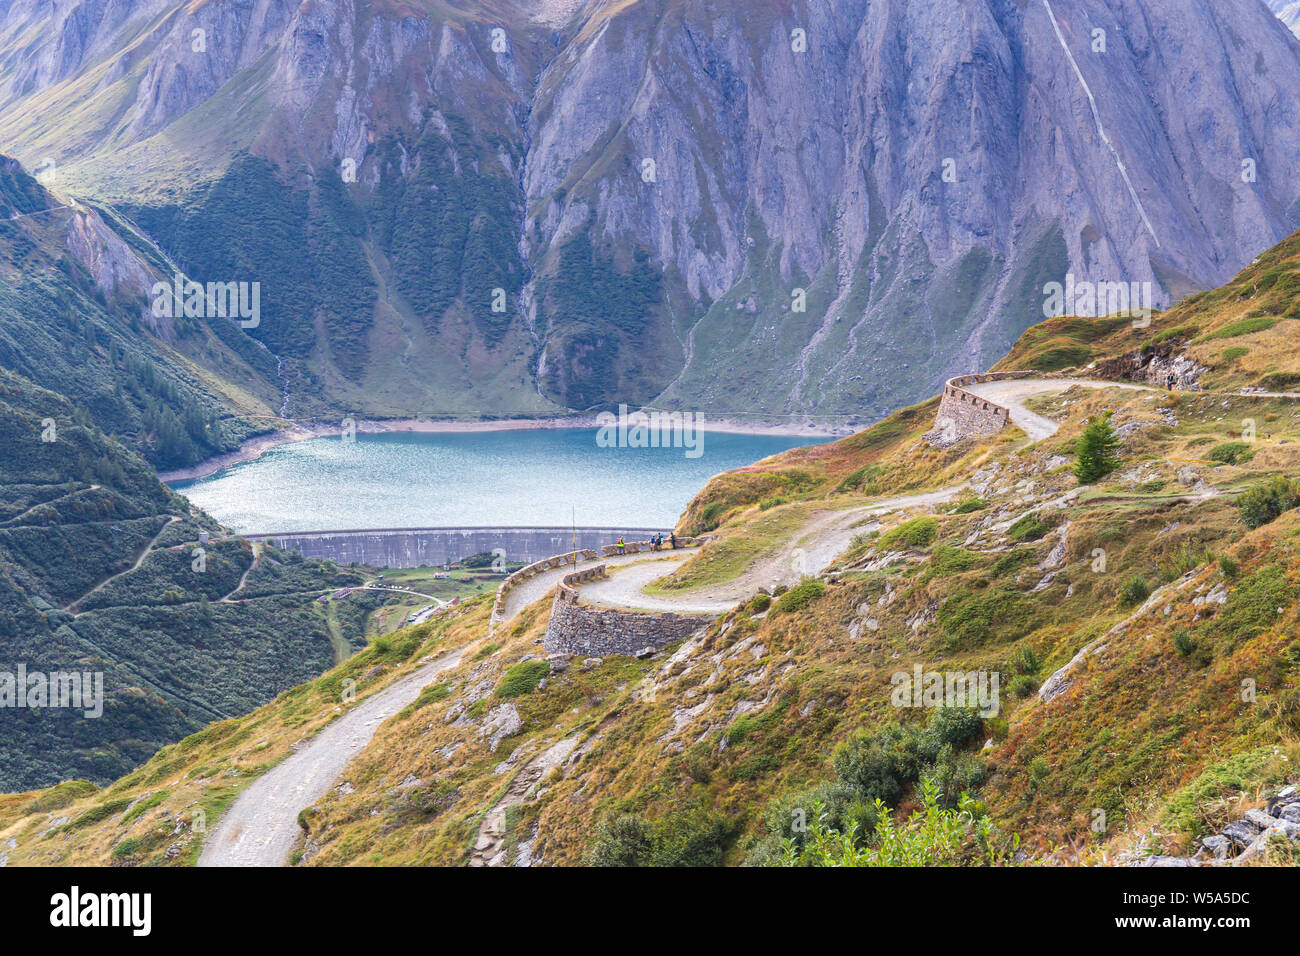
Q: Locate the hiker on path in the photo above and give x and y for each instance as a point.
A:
(673, 535)
(620, 545)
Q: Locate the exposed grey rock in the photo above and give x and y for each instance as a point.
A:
(501, 722)
(1241, 832)
(856, 160)
(1163, 861)
(1260, 819)
(1219, 846)
(1055, 685)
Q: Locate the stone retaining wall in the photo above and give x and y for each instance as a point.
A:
(964, 414)
(573, 557)
(599, 632)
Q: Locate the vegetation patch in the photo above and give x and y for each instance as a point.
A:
(522, 678)
(801, 595)
(916, 533)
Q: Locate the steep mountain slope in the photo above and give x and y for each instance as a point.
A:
(490, 207)
(101, 571)
(76, 317)
(1142, 625)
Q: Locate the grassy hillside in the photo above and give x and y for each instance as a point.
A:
(101, 571)
(1176, 574)
(1242, 334)
(179, 391)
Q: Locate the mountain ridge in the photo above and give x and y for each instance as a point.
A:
(808, 148)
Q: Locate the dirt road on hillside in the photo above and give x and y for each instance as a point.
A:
(809, 551)
(1012, 393)
(260, 827)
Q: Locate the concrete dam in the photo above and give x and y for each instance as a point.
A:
(432, 547)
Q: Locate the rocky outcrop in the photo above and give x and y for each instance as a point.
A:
(1154, 365)
(1245, 839)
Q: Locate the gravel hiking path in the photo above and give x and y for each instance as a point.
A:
(825, 536)
(1013, 392)
(261, 825)
(148, 550)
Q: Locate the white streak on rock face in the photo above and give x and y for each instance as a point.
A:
(1101, 130)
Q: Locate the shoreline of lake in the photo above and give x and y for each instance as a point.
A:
(253, 448)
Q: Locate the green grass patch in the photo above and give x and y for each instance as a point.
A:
(916, 533)
(522, 678)
(1247, 326)
(801, 595)
(1029, 527)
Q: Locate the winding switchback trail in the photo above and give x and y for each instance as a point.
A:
(1013, 392)
(261, 825)
(148, 550)
(811, 549)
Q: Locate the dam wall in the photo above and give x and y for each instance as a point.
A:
(431, 547)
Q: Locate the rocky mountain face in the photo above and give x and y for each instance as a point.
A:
(741, 208)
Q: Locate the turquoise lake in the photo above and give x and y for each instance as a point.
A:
(525, 477)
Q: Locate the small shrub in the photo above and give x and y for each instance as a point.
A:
(967, 505)
(801, 595)
(1027, 661)
(1186, 557)
(1264, 502)
(1228, 567)
(625, 840)
(1027, 528)
(1022, 685)
(686, 838)
(758, 604)
(1232, 453)
(1134, 591)
(772, 503)
(1183, 643)
(916, 533)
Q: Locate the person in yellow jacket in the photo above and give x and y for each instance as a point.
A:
(620, 545)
